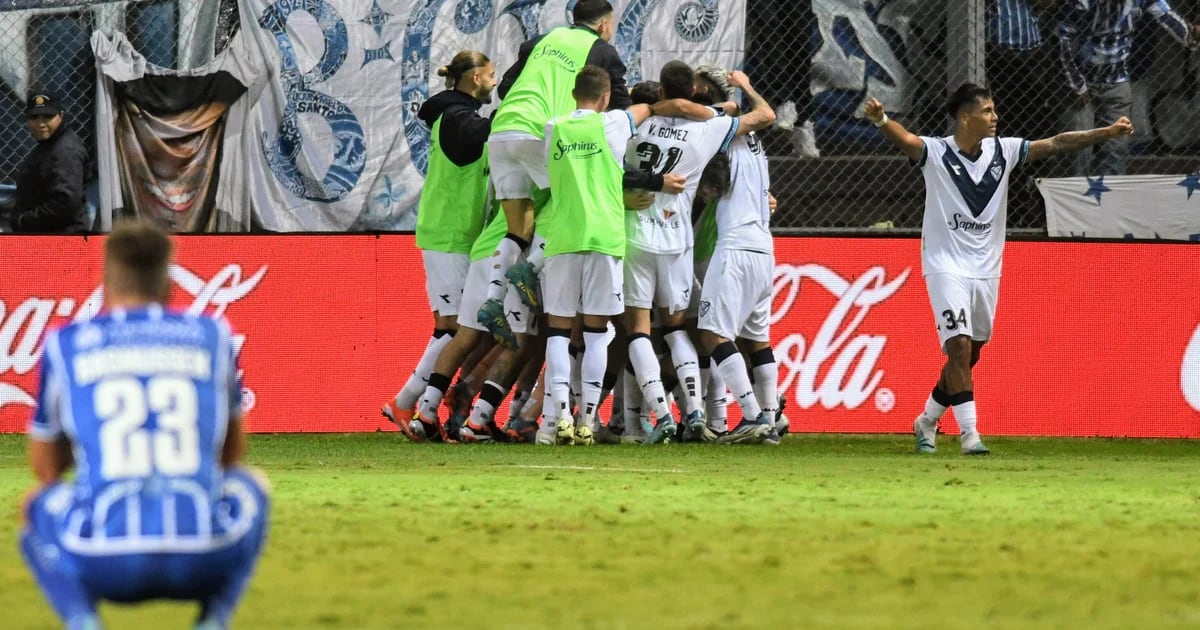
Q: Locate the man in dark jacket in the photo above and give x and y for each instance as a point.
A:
(50, 197)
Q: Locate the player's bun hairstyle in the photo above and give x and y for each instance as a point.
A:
(592, 83)
(718, 81)
(645, 93)
(967, 94)
(464, 62)
(677, 79)
(137, 256)
(591, 11)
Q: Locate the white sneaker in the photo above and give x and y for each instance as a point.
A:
(804, 141)
(925, 431)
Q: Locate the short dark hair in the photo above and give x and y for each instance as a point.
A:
(677, 79)
(645, 93)
(966, 94)
(591, 83)
(137, 257)
(591, 11)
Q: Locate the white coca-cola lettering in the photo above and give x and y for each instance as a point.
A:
(23, 330)
(852, 377)
(1189, 373)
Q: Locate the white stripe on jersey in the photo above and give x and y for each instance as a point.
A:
(679, 146)
(966, 205)
(744, 213)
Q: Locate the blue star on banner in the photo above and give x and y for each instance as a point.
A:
(1096, 188)
(375, 54)
(1192, 183)
(376, 18)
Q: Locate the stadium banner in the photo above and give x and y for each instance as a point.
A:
(1092, 339)
(332, 142)
(1127, 206)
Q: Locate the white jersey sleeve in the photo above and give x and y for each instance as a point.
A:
(619, 129)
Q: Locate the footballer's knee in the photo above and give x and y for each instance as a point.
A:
(958, 351)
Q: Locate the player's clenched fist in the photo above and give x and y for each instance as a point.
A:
(874, 110)
(1123, 127)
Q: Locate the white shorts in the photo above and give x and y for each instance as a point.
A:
(658, 280)
(479, 277)
(736, 300)
(693, 309)
(962, 305)
(445, 277)
(517, 164)
(586, 282)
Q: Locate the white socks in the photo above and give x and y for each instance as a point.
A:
(732, 366)
(649, 376)
(537, 252)
(964, 414)
(558, 375)
(687, 368)
(415, 385)
(506, 254)
(766, 380)
(594, 364)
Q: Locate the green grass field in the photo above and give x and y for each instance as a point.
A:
(822, 532)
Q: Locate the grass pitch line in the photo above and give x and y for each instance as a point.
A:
(599, 468)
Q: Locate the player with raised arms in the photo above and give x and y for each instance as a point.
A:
(962, 236)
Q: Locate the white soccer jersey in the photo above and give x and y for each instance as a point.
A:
(966, 205)
(679, 146)
(744, 213)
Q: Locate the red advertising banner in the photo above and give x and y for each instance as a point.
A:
(1091, 339)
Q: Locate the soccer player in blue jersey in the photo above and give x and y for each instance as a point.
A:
(144, 402)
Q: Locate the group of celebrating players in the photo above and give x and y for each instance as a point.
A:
(598, 190)
(633, 225)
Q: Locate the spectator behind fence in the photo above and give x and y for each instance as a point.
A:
(1016, 65)
(1095, 39)
(50, 196)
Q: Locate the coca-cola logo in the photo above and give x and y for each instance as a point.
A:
(23, 329)
(1189, 373)
(850, 356)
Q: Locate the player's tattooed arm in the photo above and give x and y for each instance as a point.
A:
(909, 143)
(760, 115)
(1075, 140)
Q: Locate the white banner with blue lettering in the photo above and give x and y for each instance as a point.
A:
(332, 141)
(1128, 206)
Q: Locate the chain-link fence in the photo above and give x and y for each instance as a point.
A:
(818, 61)
(48, 49)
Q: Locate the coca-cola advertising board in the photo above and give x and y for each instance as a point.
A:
(1091, 339)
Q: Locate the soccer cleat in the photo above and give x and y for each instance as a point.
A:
(782, 424)
(491, 316)
(477, 435)
(772, 438)
(565, 433)
(403, 419)
(972, 445)
(458, 400)
(698, 426)
(663, 432)
(584, 436)
(925, 431)
(746, 432)
(521, 431)
(524, 279)
(605, 435)
(544, 439)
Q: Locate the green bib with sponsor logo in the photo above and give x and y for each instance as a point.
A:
(587, 204)
(453, 204)
(543, 91)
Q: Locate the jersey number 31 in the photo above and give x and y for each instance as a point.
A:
(127, 447)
